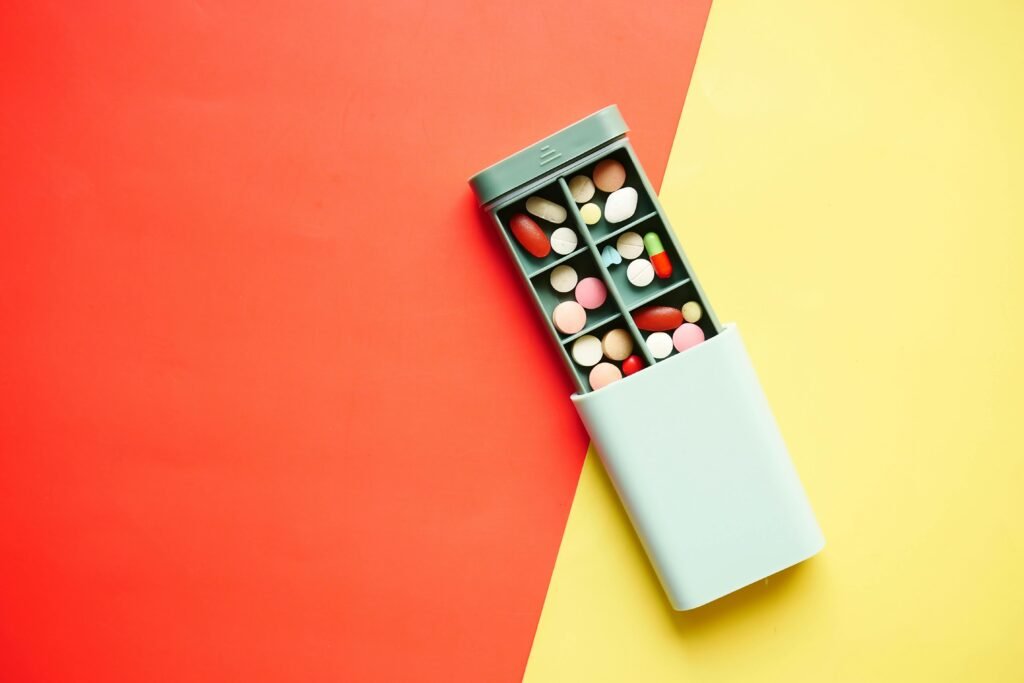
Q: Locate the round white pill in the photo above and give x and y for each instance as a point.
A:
(563, 241)
(563, 279)
(640, 273)
(660, 345)
(582, 189)
(630, 245)
(587, 350)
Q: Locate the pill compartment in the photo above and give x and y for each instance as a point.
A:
(584, 265)
(530, 263)
(675, 297)
(645, 207)
(598, 329)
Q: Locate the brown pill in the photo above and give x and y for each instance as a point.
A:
(658, 318)
(529, 235)
(609, 175)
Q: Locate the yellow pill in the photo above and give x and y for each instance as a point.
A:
(692, 311)
(591, 213)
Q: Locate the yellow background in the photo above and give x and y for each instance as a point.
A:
(848, 181)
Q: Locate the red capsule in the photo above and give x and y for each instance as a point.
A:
(529, 235)
(658, 318)
(632, 365)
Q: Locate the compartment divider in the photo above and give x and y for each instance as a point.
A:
(670, 233)
(638, 340)
(627, 227)
(654, 295)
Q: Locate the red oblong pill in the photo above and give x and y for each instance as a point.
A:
(658, 318)
(529, 235)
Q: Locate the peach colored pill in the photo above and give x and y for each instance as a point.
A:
(563, 279)
(686, 336)
(582, 189)
(591, 293)
(630, 245)
(569, 317)
(609, 175)
(617, 344)
(604, 374)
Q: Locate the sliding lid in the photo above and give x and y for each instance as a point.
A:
(551, 153)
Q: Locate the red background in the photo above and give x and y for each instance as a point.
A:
(274, 406)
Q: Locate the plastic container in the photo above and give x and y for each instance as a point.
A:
(689, 441)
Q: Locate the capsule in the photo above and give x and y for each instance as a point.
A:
(659, 258)
(529, 235)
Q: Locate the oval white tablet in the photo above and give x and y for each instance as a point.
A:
(548, 210)
(563, 241)
(620, 205)
(640, 273)
(564, 279)
(660, 345)
(630, 245)
(587, 350)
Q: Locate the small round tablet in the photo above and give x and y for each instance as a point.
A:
(609, 175)
(660, 345)
(632, 365)
(587, 350)
(591, 293)
(630, 245)
(582, 189)
(563, 279)
(591, 213)
(692, 311)
(604, 374)
(617, 344)
(563, 241)
(686, 336)
(569, 317)
(640, 273)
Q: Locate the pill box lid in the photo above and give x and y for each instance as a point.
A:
(551, 153)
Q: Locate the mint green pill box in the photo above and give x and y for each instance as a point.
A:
(689, 441)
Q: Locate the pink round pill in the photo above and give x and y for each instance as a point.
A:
(604, 374)
(569, 317)
(687, 335)
(591, 293)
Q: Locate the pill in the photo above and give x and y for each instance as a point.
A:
(617, 344)
(632, 365)
(691, 311)
(569, 317)
(640, 273)
(587, 350)
(609, 175)
(582, 189)
(604, 374)
(529, 235)
(630, 245)
(545, 209)
(686, 336)
(658, 318)
(563, 279)
(563, 240)
(610, 256)
(660, 345)
(659, 258)
(621, 205)
(591, 293)
(591, 213)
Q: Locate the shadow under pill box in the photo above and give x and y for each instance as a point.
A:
(668, 395)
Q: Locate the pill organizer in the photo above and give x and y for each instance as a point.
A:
(688, 439)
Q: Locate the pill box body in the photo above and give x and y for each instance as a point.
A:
(689, 442)
(697, 459)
